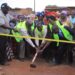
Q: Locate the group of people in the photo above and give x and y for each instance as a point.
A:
(45, 25)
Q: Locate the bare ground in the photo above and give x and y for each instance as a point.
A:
(17, 67)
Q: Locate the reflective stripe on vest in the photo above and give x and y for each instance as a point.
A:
(56, 37)
(32, 27)
(50, 26)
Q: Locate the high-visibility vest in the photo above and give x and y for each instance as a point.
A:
(41, 33)
(32, 27)
(55, 36)
(65, 32)
(18, 26)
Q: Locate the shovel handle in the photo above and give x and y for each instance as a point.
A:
(34, 57)
(45, 46)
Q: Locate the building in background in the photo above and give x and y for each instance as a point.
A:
(20, 11)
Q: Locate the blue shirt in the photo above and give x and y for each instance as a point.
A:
(72, 19)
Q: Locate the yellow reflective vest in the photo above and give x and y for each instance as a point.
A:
(18, 27)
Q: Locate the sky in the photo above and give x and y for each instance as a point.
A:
(39, 4)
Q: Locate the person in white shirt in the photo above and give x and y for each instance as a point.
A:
(40, 32)
(26, 30)
(4, 28)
